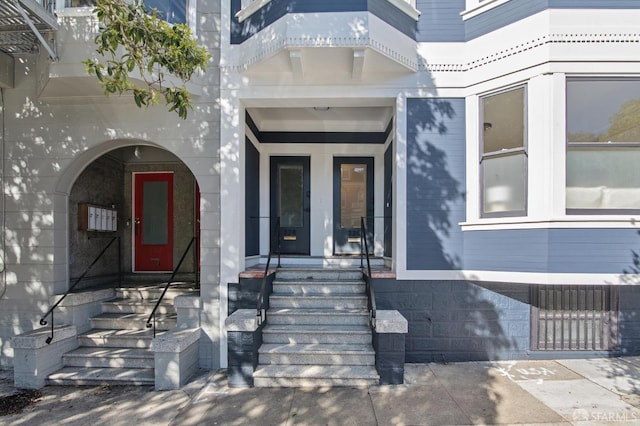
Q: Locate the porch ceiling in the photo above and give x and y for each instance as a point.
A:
(16, 35)
(322, 118)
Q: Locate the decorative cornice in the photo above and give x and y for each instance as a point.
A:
(280, 43)
(545, 40)
(419, 63)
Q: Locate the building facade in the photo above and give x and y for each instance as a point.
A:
(492, 147)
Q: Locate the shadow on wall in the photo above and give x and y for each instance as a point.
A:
(448, 320)
(629, 306)
(435, 178)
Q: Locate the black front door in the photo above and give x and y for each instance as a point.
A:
(352, 199)
(290, 201)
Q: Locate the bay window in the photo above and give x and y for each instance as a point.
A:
(503, 160)
(172, 11)
(603, 145)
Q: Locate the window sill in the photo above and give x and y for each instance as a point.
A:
(480, 8)
(573, 221)
(75, 11)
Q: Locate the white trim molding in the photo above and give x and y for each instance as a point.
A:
(520, 277)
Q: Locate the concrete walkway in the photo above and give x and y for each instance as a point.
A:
(578, 392)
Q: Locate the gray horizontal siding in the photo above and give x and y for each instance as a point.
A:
(435, 183)
(607, 251)
(515, 10)
(440, 21)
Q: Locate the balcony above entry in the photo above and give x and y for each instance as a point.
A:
(353, 37)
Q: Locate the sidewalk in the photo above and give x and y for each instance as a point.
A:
(579, 392)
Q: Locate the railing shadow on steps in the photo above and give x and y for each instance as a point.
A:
(151, 321)
(368, 278)
(43, 320)
(261, 315)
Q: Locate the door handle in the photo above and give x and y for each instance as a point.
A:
(136, 223)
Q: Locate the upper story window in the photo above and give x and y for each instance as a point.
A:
(249, 7)
(172, 11)
(79, 3)
(476, 7)
(503, 153)
(603, 145)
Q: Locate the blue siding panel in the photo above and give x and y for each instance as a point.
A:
(515, 10)
(435, 183)
(580, 251)
(503, 15)
(506, 250)
(592, 250)
(594, 4)
(440, 21)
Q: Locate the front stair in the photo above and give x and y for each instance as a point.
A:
(317, 331)
(117, 350)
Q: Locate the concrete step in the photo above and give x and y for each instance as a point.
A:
(91, 357)
(317, 316)
(137, 306)
(332, 274)
(81, 376)
(333, 301)
(316, 354)
(355, 334)
(318, 287)
(109, 321)
(153, 292)
(317, 375)
(117, 338)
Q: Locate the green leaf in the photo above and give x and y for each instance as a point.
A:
(133, 40)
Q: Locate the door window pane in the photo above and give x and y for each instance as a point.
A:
(353, 194)
(290, 195)
(155, 215)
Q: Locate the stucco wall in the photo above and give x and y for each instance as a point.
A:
(47, 144)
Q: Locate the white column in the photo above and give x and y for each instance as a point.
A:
(399, 248)
(231, 203)
(473, 157)
(546, 147)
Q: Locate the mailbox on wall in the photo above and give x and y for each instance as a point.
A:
(97, 218)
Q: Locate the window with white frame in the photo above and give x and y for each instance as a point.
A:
(603, 145)
(172, 11)
(503, 153)
(79, 3)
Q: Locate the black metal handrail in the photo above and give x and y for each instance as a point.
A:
(275, 241)
(371, 302)
(43, 321)
(152, 315)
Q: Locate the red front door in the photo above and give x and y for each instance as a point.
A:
(153, 221)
